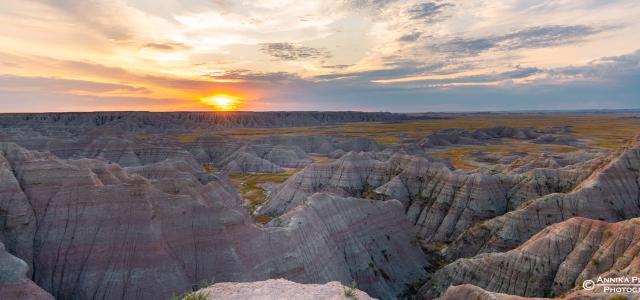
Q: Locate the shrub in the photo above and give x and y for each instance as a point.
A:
(263, 219)
(618, 297)
(195, 296)
(350, 292)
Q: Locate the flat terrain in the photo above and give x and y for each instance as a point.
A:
(601, 130)
(597, 130)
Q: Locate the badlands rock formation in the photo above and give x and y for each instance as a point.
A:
(169, 121)
(91, 229)
(458, 136)
(348, 176)
(552, 262)
(265, 154)
(611, 193)
(14, 284)
(264, 158)
(246, 162)
(281, 289)
(322, 144)
(441, 203)
(138, 206)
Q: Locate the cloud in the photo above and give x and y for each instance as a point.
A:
(620, 70)
(289, 51)
(428, 11)
(533, 37)
(254, 76)
(399, 69)
(411, 37)
(59, 85)
(169, 46)
(113, 19)
(42, 101)
(369, 4)
(121, 74)
(454, 79)
(343, 66)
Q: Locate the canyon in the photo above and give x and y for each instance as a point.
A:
(134, 205)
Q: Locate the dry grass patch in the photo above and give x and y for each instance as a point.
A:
(609, 131)
(187, 138)
(459, 157)
(322, 159)
(263, 219)
(249, 185)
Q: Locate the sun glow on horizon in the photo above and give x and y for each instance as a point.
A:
(222, 102)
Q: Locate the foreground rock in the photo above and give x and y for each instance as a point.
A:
(281, 289)
(469, 291)
(90, 229)
(551, 263)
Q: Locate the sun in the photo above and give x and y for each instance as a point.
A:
(222, 102)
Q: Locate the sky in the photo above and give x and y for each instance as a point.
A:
(370, 55)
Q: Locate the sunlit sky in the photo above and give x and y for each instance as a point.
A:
(372, 55)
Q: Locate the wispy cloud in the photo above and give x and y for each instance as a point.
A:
(169, 46)
(411, 37)
(429, 11)
(289, 51)
(60, 85)
(533, 37)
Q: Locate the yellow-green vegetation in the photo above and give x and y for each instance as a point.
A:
(138, 137)
(458, 156)
(370, 193)
(187, 138)
(439, 246)
(195, 296)
(526, 204)
(386, 140)
(609, 131)
(350, 292)
(191, 296)
(209, 168)
(322, 159)
(262, 219)
(619, 297)
(249, 185)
